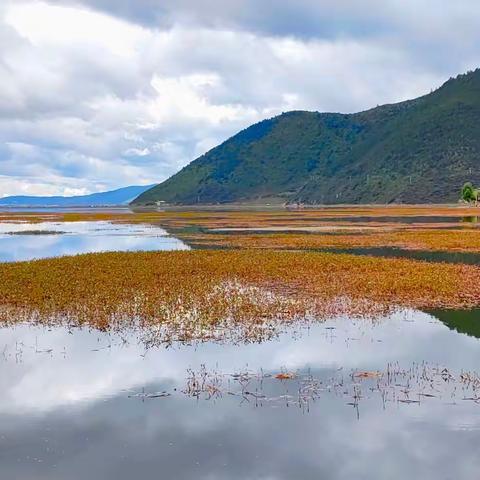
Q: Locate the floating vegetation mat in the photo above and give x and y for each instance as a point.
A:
(210, 294)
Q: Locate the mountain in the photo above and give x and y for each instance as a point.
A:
(121, 196)
(416, 151)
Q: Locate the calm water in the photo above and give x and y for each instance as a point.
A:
(405, 219)
(27, 241)
(82, 405)
(428, 256)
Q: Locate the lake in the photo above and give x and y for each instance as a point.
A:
(394, 398)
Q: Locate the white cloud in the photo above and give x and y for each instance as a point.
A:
(107, 98)
(182, 97)
(46, 25)
(136, 152)
(14, 185)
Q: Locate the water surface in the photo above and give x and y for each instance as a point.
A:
(27, 241)
(78, 404)
(469, 258)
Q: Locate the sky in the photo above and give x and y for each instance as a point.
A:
(100, 94)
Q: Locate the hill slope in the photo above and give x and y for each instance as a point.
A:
(121, 196)
(421, 150)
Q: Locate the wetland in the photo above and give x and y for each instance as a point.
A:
(302, 352)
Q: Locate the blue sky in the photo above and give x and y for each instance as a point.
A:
(98, 94)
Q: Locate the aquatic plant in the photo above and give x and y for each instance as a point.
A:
(460, 240)
(396, 384)
(218, 218)
(198, 294)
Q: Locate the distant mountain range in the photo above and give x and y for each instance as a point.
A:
(416, 151)
(121, 196)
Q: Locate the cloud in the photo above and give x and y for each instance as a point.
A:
(320, 19)
(100, 94)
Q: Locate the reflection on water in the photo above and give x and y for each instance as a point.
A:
(461, 321)
(428, 256)
(26, 241)
(342, 399)
(402, 219)
(470, 219)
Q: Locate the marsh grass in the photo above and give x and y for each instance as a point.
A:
(440, 239)
(247, 293)
(395, 384)
(322, 227)
(209, 294)
(219, 218)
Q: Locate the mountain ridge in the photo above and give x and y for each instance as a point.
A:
(119, 196)
(416, 151)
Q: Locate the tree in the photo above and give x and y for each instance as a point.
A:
(469, 194)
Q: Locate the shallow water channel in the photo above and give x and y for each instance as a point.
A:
(28, 241)
(392, 398)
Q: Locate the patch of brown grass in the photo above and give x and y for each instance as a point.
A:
(217, 218)
(430, 240)
(200, 290)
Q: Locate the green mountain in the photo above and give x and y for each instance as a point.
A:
(417, 151)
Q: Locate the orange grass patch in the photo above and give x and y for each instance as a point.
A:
(216, 218)
(431, 239)
(199, 290)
